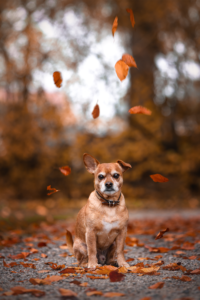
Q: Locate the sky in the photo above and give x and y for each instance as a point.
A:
(93, 84)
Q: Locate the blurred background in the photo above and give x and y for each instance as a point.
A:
(43, 128)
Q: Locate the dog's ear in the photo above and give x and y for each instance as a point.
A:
(90, 163)
(124, 165)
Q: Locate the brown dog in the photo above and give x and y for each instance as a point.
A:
(102, 223)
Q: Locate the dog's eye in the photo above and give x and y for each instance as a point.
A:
(116, 175)
(101, 176)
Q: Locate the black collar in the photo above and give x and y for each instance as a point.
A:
(108, 202)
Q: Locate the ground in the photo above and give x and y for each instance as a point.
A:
(173, 260)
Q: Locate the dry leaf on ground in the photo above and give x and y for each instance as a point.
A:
(10, 265)
(20, 255)
(115, 24)
(68, 293)
(97, 277)
(49, 188)
(57, 77)
(139, 110)
(39, 281)
(160, 234)
(129, 60)
(115, 276)
(113, 294)
(68, 270)
(157, 285)
(18, 290)
(92, 293)
(65, 170)
(132, 19)
(96, 111)
(43, 255)
(159, 178)
(121, 69)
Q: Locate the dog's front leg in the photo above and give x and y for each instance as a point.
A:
(91, 249)
(120, 240)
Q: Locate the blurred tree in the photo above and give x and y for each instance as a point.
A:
(165, 44)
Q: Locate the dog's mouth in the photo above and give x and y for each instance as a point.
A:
(109, 191)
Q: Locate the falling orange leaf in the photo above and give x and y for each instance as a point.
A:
(139, 110)
(157, 285)
(159, 178)
(65, 170)
(57, 77)
(129, 10)
(113, 294)
(121, 69)
(68, 293)
(129, 60)
(160, 234)
(115, 24)
(49, 188)
(96, 111)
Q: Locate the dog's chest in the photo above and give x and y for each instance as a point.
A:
(109, 226)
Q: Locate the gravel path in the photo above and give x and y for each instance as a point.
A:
(184, 237)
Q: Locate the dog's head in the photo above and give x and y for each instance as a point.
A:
(108, 178)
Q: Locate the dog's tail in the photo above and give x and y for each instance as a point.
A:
(69, 241)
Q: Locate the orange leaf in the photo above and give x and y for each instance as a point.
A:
(65, 170)
(113, 294)
(129, 60)
(39, 281)
(17, 290)
(94, 293)
(121, 69)
(146, 298)
(10, 265)
(185, 278)
(160, 234)
(157, 285)
(139, 110)
(57, 267)
(159, 178)
(32, 250)
(49, 188)
(42, 244)
(197, 271)
(97, 277)
(129, 10)
(115, 24)
(96, 111)
(44, 255)
(20, 255)
(53, 278)
(68, 270)
(57, 77)
(84, 284)
(68, 293)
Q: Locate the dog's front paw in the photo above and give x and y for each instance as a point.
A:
(92, 266)
(123, 264)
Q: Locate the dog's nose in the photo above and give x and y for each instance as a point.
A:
(108, 184)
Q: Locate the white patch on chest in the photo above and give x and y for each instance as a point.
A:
(107, 226)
